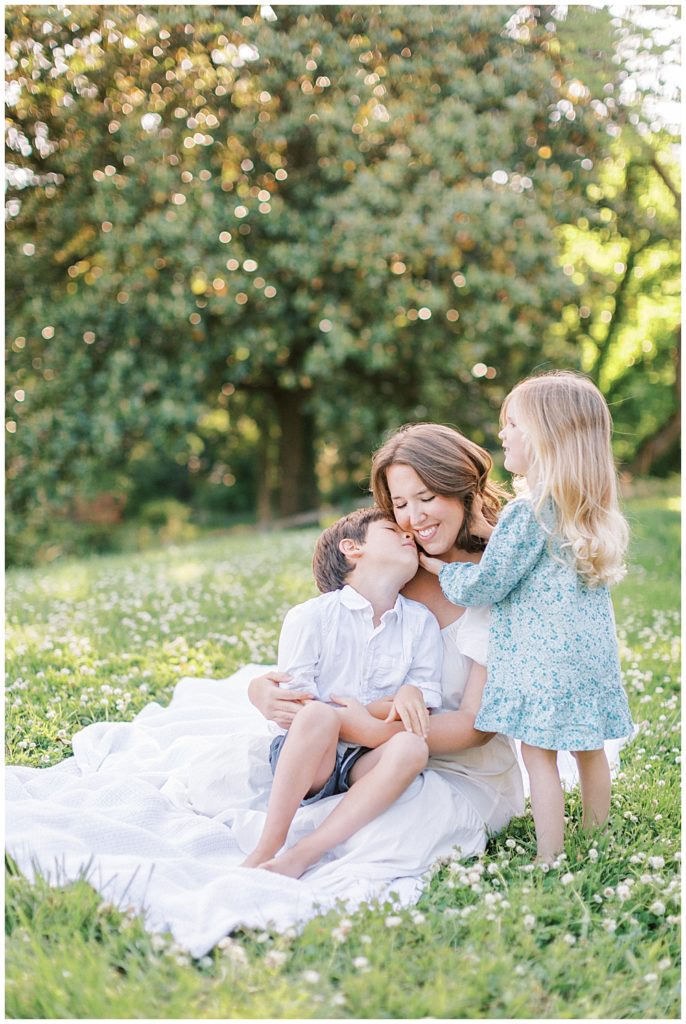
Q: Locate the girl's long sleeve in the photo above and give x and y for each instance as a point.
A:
(513, 550)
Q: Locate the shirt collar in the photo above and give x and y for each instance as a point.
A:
(351, 598)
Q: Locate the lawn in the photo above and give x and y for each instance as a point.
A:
(599, 938)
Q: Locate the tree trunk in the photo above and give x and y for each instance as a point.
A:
(298, 491)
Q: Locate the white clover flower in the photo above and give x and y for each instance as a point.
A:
(650, 977)
(237, 954)
(593, 854)
(656, 862)
(608, 892)
(528, 921)
(361, 963)
(393, 921)
(658, 908)
(567, 879)
(510, 843)
(623, 892)
(312, 977)
(338, 999)
(569, 939)
(275, 958)
(609, 924)
(417, 917)
(664, 964)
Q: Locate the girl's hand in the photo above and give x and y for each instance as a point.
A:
(478, 524)
(277, 705)
(432, 565)
(408, 706)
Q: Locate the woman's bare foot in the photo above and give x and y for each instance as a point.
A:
(293, 863)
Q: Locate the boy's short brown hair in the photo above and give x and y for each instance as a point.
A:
(329, 564)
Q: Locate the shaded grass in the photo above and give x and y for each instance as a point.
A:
(99, 638)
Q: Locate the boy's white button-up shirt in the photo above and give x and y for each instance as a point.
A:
(329, 645)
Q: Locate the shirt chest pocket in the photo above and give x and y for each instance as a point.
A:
(389, 673)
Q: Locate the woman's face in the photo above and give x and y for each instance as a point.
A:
(433, 520)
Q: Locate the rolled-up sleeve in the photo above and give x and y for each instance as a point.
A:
(427, 663)
(300, 647)
(515, 546)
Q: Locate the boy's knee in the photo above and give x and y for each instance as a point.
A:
(409, 750)
(317, 715)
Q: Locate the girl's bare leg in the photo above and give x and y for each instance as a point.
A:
(595, 784)
(307, 759)
(378, 779)
(547, 801)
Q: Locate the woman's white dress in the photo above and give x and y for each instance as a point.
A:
(158, 813)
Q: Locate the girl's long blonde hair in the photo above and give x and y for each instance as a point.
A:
(449, 464)
(568, 426)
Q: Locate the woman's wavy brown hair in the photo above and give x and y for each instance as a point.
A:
(449, 464)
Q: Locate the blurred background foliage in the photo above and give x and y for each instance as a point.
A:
(242, 244)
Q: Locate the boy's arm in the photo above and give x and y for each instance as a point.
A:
(421, 688)
(512, 552)
(448, 733)
(359, 726)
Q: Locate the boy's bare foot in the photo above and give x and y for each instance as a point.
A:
(293, 863)
(256, 858)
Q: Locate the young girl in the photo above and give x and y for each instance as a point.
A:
(553, 666)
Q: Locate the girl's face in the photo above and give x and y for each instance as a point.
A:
(433, 519)
(518, 455)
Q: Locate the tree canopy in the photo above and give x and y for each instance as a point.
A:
(242, 245)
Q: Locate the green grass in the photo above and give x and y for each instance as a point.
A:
(97, 639)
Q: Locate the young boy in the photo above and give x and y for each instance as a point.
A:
(360, 641)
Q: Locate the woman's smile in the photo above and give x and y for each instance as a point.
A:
(434, 520)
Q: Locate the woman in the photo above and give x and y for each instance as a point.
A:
(159, 813)
(435, 483)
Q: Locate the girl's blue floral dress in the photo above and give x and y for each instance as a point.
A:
(553, 667)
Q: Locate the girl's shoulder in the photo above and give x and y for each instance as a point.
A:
(523, 512)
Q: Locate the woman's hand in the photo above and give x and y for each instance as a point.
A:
(408, 706)
(432, 565)
(277, 705)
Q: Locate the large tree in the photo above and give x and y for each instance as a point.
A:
(294, 229)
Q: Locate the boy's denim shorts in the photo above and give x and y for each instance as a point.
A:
(337, 782)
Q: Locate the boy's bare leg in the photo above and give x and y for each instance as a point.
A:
(547, 801)
(307, 759)
(378, 779)
(595, 784)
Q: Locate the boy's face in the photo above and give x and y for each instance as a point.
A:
(387, 546)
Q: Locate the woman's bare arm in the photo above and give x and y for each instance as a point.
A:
(453, 731)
